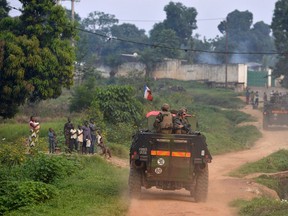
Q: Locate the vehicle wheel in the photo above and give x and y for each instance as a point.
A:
(201, 186)
(134, 183)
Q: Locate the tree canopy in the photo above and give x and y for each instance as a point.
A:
(280, 31)
(4, 9)
(36, 55)
(240, 35)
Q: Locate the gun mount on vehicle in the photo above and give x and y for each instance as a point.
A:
(169, 162)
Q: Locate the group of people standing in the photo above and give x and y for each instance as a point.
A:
(84, 138)
(81, 139)
(166, 123)
(252, 97)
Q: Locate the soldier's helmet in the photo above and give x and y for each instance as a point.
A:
(165, 107)
(180, 112)
(184, 109)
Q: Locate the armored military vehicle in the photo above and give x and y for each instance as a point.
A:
(169, 161)
(275, 111)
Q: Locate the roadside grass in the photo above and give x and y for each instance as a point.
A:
(222, 131)
(96, 189)
(13, 131)
(119, 150)
(261, 206)
(275, 162)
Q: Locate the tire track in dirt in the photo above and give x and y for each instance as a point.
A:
(222, 188)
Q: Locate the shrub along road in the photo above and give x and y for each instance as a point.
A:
(222, 188)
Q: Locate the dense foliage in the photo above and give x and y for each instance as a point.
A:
(116, 103)
(27, 179)
(280, 32)
(240, 35)
(36, 55)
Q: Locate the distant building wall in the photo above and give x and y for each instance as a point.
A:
(175, 69)
(131, 68)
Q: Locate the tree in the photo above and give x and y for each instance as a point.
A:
(90, 46)
(261, 41)
(37, 56)
(118, 104)
(236, 29)
(181, 19)
(4, 9)
(99, 21)
(113, 49)
(240, 36)
(237, 22)
(166, 43)
(280, 32)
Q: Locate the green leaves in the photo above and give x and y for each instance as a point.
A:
(118, 104)
(36, 55)
(280, 31)
(16, 194)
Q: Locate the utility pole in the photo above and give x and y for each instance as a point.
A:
(226, 56)
(72, 10)
(72, 7)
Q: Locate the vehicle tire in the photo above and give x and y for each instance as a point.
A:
(134, 183)
(201, 186)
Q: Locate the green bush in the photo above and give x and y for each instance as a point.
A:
(12, 154)
(120, 133)
(15, 194)
(49, 168)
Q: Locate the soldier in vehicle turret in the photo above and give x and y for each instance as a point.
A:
(164, 120)
(180, 123)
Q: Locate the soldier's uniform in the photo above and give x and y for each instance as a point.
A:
(180, 123)
(164, 120)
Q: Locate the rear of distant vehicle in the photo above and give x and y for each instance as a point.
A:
(275, 112)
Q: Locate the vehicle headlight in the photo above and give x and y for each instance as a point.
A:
(161, 161)
(158, 170)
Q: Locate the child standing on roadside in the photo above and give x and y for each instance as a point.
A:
(52, 140)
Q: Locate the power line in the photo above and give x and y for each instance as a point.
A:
(176, 48)
(109, 38)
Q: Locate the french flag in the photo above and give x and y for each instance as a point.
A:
(147, 93)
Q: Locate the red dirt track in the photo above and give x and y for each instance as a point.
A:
(222, 188)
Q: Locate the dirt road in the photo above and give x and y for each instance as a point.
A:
(222, 188)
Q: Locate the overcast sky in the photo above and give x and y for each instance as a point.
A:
(144, 13)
